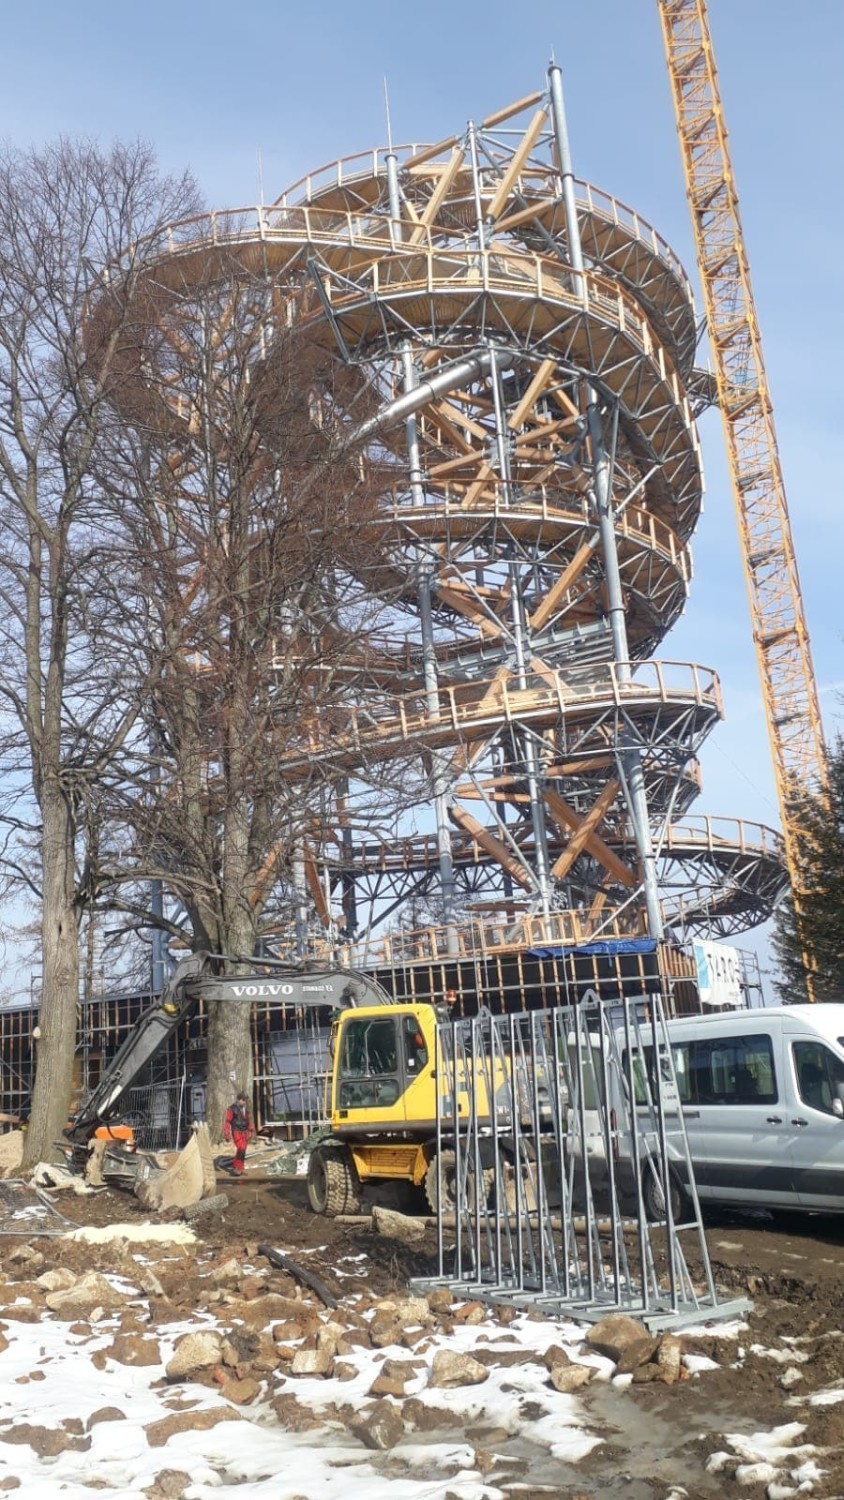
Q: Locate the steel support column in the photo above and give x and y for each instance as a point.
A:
(439, 774)
(630, 754)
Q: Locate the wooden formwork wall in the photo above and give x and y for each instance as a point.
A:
(515, 980)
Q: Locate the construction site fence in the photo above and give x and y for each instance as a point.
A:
(561, 1142)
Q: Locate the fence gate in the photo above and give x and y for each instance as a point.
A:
(156, 1113)
(562, 1132)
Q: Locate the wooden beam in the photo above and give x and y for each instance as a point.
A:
(476, 490)
(453, 579)
(316, 889)
(436, 471)
(538, 434)
(561, 586)
(509, 110)
(598, 904)
(462, 418)
(430, 151)
(584, 835)
(520, 156)
(548, 674)
(491, 845)
(470, 791)
(566, 403)
(434, 417)
(534, 211)
(467, 607)
(586, 763)
(266, 875)
(543, 377)
(434, 204)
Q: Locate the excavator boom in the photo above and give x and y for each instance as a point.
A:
(294, 985)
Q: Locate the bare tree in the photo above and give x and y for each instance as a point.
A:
(66, 213)
(267, 578)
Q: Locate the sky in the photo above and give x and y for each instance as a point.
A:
(219, 87)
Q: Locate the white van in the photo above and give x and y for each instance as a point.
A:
(762, 1099)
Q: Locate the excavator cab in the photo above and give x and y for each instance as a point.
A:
(382, 1067)
(383, 1105)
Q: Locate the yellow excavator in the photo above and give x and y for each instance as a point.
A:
(381, 1090)
(382, 1095)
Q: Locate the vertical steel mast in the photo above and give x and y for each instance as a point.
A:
(789, 689)
(630, 756)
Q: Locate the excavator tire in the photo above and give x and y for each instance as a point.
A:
(440, 1176)
(333, 1187)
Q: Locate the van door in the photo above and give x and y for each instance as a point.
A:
(816, 1131)
(736, 1119)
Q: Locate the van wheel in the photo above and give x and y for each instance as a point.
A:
(441, 1178)
(333, 1186)
(653, 1197)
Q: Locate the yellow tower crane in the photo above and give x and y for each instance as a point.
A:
(789, 689)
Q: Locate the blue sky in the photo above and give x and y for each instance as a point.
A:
(210, 84)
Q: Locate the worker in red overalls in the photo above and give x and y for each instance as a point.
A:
(238, 1127)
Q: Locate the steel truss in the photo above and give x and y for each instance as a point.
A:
(528, 345)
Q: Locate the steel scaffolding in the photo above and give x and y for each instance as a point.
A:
(528, 344)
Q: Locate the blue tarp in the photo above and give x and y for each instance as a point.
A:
(611, 948)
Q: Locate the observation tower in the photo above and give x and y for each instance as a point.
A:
(530, 342)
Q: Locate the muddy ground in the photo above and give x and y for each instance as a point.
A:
(657, 1438)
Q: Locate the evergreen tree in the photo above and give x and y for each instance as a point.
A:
(814, 934)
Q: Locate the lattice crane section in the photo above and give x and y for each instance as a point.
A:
(779, 626)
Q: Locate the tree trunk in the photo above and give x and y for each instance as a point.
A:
(59, 983)
(230, 1065)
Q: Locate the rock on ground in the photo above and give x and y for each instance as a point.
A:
(381, 1426)
(450, 1368)
(195, 1352)
(11, 1152)
(87, 1292)
(622, 1339)
(399, 1227)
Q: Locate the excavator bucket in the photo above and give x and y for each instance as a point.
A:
(186, 1181)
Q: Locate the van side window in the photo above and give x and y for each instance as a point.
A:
(820, 1075)
(682, 1070)
(733, 1070)
(680, 1054)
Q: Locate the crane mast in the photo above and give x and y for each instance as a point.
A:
(789, 690)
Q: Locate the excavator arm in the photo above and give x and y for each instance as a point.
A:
(147, 1037)
(295, 985)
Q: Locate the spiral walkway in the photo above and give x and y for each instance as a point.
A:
(446, 281)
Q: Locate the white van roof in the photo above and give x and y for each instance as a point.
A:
(825, 1019)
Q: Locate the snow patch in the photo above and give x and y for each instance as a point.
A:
(161, 1234)
(697, 1363)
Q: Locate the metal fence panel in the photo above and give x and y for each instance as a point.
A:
(564, 1134)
